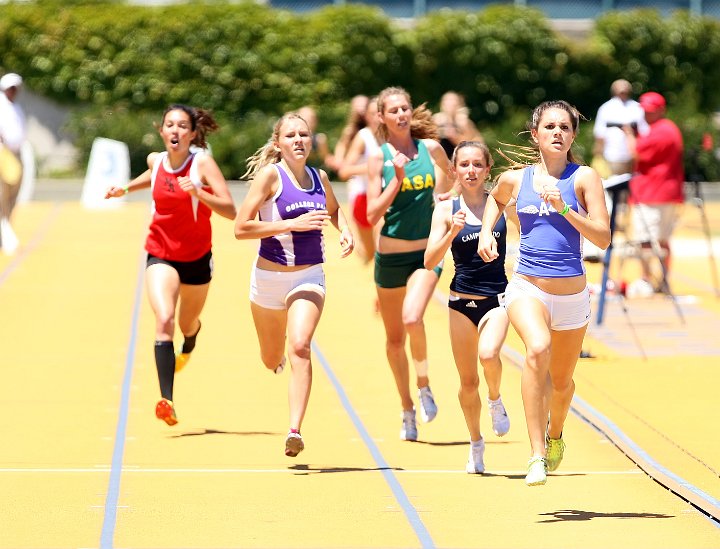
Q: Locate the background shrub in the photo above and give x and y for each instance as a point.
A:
(498, 58)
(118, 66)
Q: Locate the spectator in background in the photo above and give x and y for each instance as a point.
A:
(354, 168)
(354, 123)
(12, 137)
(657, 187)
(610, 139)
(320, 152)
(453, 122)
(610, 149)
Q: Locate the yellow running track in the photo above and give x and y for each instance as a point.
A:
(84, 463)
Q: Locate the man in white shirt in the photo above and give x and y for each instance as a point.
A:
(610, 139)
(12, 136)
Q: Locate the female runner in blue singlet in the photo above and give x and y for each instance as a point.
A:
(558, 202)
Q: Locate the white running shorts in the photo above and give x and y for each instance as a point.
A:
(271, 289)
(567, 312)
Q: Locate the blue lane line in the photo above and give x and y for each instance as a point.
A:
(608, 426)
(113, 492)
(407, 507)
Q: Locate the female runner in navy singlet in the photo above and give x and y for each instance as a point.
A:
(478, 324)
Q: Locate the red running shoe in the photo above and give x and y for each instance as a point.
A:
(166, 411)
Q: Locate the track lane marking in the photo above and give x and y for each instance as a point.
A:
(170, 470)
(400, 496)
(686, 491)
(116, 469)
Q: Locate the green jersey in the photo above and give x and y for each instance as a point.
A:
(410, 214)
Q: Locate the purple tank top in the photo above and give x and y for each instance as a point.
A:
(549, 246)
(294, 247)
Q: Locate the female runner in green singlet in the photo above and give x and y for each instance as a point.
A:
(401, 190)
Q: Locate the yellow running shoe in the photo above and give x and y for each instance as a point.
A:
(537, 471)
(181, 360)
(555, 448)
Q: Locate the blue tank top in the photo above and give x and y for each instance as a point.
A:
(472, 275)
(294, 247)
(549, 246)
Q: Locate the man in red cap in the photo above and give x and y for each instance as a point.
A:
(656, 188)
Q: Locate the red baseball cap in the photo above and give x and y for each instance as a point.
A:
(652, 102)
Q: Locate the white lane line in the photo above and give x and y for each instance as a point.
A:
(309, 470)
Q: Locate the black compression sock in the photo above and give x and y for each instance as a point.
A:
(165, 364)
(189, 343)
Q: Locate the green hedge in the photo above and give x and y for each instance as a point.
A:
(497, 58)
(227, 57)
(120, 65)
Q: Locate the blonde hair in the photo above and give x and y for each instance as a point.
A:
(269, 153)
(422, 125)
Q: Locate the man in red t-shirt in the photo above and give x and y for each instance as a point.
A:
(656, 188)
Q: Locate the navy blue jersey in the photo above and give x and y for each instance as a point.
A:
(472, 275)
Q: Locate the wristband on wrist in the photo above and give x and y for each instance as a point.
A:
(565, 210)
(126, 189)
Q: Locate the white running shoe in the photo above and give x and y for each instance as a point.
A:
(640, 288)
(475, 464)
(428, 408)
(500, 419)
(409, 427)
(294, 444)
(537, 471)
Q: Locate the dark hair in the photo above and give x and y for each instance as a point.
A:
(575, 116)
(518, 156)
(557, 104)
(201, 122)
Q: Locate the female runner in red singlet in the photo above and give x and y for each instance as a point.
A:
(187, 186)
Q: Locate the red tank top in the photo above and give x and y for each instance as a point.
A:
(180, 229)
